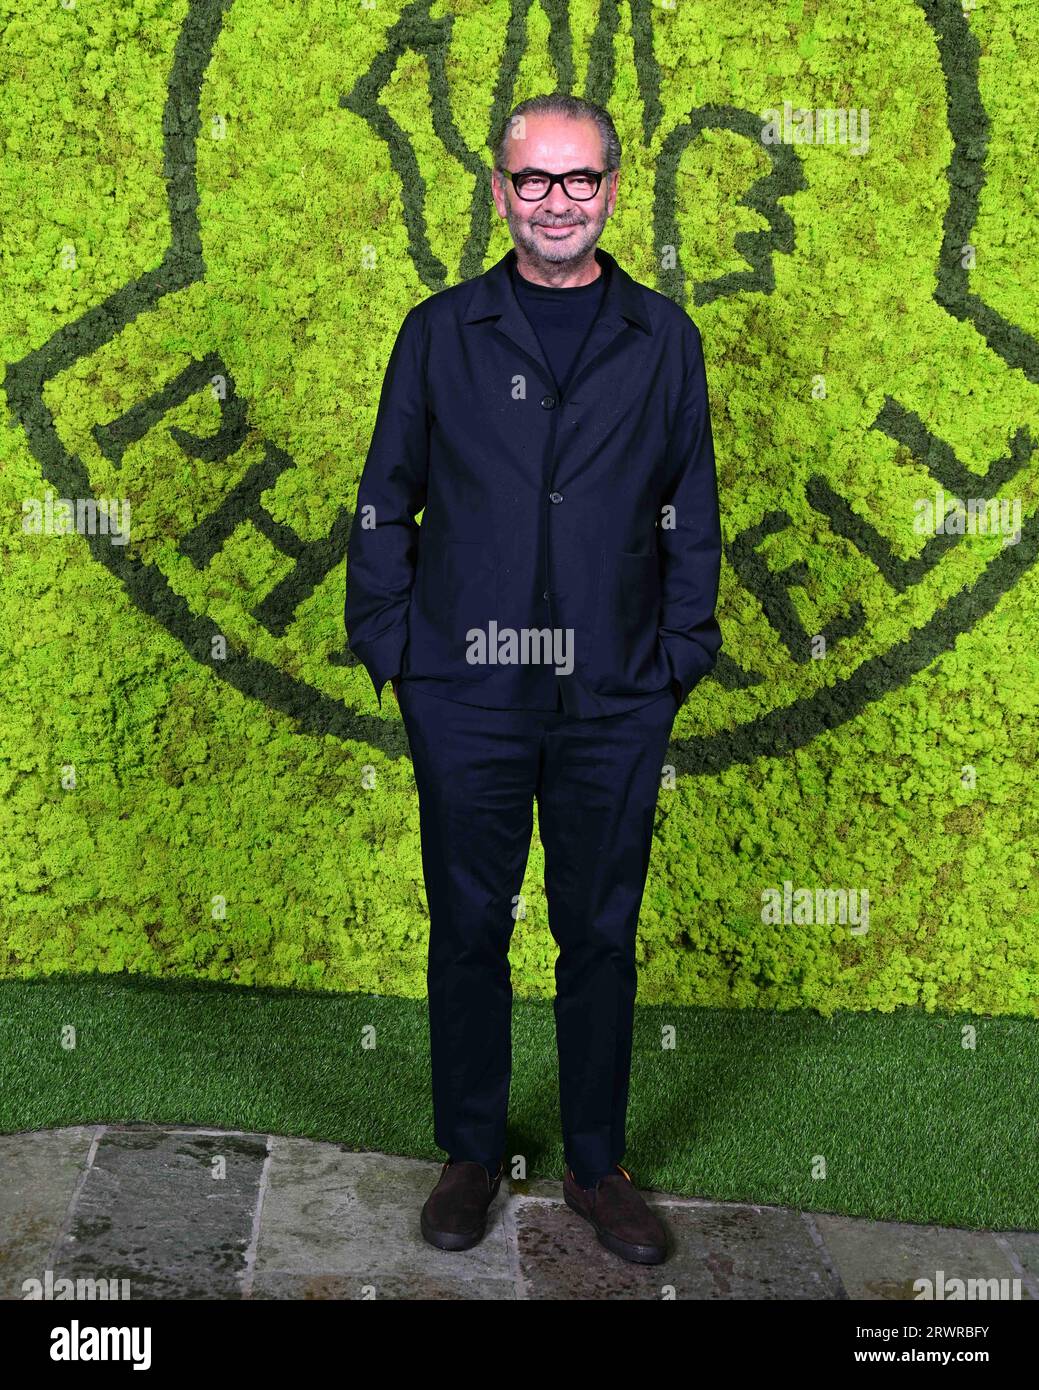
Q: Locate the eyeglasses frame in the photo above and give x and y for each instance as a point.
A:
(553, 179)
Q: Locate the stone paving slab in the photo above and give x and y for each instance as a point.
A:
(885, 1259)
(195, 1213)
(401, 1287)
(40, 1173)
(1024, 1247)
(345, 1213)
(717, 1251)
(169, 1211)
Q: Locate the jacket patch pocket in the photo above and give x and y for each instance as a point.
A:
(456, 591)
(628, 657)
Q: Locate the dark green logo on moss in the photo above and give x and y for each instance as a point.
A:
(781, 710)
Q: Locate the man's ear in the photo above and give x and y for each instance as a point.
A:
(611, 195)
(499, 192)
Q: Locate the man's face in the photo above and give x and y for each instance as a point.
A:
(557, 229)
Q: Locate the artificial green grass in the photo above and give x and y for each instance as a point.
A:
(746, 1105)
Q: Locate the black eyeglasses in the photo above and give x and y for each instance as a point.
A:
(534, 184)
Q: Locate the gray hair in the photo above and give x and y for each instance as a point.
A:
(561, 104)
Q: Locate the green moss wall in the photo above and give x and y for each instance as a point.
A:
(213, 218)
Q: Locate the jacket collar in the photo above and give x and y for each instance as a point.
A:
(493, 293)
(494, 297)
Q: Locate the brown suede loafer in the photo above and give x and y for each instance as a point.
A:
(622, 1220)
(455, 1214)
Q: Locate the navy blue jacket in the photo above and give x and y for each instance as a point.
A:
(585, 527)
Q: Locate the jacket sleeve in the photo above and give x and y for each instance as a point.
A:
(383, 544)
(690, 541)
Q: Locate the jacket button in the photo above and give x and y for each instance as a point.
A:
(545, 594)
(548, 402)
(555, 497)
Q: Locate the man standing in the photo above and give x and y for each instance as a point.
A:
(541, 629)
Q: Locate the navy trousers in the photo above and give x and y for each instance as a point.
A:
(596, 781)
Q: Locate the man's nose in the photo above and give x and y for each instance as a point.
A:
(557, 201)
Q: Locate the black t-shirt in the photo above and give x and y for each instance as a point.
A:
(561, 318)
